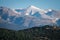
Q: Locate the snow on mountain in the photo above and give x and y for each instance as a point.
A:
(28, 17)
(32, 11)
(53, 13)
(10, 12)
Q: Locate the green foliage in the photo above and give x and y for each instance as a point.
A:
(35, 33)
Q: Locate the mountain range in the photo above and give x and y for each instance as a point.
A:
(23, 18)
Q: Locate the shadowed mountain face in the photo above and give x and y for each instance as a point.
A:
(29, 17)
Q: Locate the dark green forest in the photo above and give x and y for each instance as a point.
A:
(35, 33)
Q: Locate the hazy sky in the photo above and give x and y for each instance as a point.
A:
(43, 4)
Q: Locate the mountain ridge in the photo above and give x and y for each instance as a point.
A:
(29, 17)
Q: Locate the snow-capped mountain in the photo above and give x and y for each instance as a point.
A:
(31, 16)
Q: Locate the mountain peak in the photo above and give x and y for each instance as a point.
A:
(49, 9)
(33, 7)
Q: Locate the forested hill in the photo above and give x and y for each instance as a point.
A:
(35, 33)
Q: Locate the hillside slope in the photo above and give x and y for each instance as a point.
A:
(35, 33)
